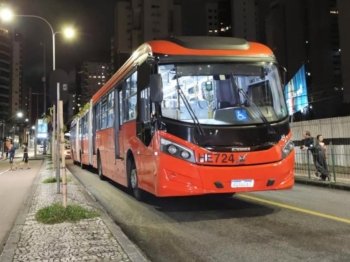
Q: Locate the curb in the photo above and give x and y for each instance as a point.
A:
(130, 248)
(332, 185)
(13, 239)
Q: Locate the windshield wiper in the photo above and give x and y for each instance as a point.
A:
(189, 108)
(270, 130)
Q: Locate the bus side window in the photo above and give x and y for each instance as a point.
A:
(143, 125)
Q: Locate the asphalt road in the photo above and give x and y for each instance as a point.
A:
(14, 189)
(303, 224)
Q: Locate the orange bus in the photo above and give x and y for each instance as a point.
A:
(190, 116)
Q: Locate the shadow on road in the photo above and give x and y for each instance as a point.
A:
(199, 208)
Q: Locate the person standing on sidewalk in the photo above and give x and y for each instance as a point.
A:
(12, 151)
(25, 156)
(321, 156)
(6, 151)
(312, 145)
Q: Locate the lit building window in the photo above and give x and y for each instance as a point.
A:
(333, 12)
(94, 76)
(103, 77)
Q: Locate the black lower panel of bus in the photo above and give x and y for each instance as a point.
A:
(223, 138)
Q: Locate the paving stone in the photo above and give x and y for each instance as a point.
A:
(87, 240)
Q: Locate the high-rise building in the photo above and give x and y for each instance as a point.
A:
(92, 77)
(245, 19)
(343, 12)
(307, 32)
(5, 71)
(17, 73)
(138, 21)
(212, 18)
(235, 18)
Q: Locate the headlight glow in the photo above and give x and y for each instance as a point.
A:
(176, 150)
(185, 154)
(172, 149)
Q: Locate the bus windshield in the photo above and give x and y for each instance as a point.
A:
(212, 90)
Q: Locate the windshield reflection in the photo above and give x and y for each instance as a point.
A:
(214, 97)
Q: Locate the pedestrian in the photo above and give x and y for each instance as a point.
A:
(7, 151)
(25, 156)
(11, 151)
(311, 144)
(321, 156)
(308, 142)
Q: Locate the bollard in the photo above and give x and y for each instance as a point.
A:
(308, 163)
(333, 164)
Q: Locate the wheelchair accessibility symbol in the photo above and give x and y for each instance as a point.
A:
(241, 115)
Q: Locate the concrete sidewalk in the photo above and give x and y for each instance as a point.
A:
(342, 182)
(97, 239)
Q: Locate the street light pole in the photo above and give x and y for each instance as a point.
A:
(53, 38)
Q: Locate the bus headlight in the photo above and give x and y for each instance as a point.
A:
(172, 149)
(288, 147)
(176, 150)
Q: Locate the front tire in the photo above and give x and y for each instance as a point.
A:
(139, 194)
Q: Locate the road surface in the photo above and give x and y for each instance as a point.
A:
(303, 224)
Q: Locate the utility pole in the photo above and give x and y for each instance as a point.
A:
(63, 166)
(58, 167)
(44, 82)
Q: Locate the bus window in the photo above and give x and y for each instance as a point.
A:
(130, 97)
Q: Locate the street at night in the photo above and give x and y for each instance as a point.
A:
(174, 130)
(304, 224)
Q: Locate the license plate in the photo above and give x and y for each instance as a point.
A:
(242, 183)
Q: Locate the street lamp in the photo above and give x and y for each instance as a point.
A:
(19, 115)
(7, 15)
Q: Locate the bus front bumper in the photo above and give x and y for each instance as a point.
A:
(179, 178)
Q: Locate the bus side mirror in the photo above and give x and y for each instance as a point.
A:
(283, 71)
(156, 85)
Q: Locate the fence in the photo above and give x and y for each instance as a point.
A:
(336, 133)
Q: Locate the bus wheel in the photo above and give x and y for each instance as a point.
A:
(74, 162)
(99, 169)
(138, 193)
(81, 163)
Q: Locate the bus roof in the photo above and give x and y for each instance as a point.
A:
(194, 46)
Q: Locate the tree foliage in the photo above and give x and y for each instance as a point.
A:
(83, 110)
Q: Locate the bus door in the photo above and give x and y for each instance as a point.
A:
(80, 139)
(118, 139)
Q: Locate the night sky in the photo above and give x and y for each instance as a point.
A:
(92, 19)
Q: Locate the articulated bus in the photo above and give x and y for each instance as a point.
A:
(190, 116)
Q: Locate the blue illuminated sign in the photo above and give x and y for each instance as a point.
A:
(296, 92)
(241, 115)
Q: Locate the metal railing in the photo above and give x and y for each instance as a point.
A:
(338, 164)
